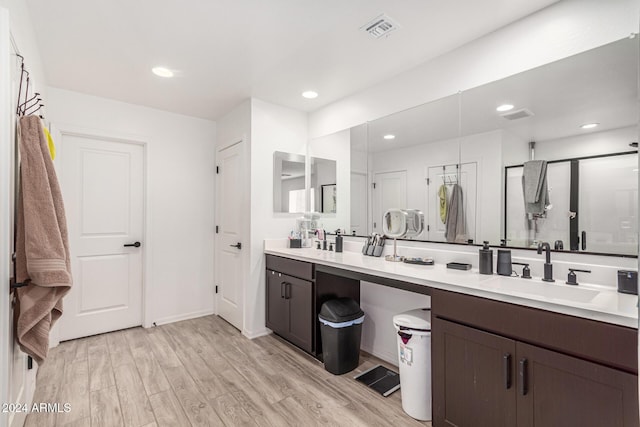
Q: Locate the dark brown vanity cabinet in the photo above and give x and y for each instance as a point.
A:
(296, 291)
(475, 384)
(290, 301)
(497, 364)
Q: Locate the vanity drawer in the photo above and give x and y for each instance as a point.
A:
(292, 267)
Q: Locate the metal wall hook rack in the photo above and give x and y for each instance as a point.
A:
(13, 285)
(25, 105)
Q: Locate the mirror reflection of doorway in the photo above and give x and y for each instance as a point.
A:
(389, 191)
(358, 204)
(447, 176)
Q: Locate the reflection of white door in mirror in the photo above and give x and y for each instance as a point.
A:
(358, 203)
(390, 191)
(467, 179)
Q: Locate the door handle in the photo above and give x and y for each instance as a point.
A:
(507, 370)
(584, 240)
(287, 290)
(237, 245)
(523, 377)
(136, 244)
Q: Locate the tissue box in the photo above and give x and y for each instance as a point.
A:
(628, 282)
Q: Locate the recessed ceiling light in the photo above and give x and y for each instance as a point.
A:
(389, 136)
(162, 72)
(504, 107)
(589, 125)
(310, 94)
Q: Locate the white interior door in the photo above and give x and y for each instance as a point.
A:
(467, 179)
(358, 204)
(103, 188)
(230, 238)
(390, 191)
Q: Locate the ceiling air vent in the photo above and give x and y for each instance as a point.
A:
(380, 26)
(518, 114)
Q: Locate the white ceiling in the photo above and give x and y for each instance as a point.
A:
(225, 51)
(600, 86)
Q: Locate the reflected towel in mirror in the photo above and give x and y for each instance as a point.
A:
(442, 196)
(534, 186)
(456, 229)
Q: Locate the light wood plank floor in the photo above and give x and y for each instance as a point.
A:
(203, 372)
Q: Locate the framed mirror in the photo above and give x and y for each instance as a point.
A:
(289, 194)
(462, 139)
(579, 116)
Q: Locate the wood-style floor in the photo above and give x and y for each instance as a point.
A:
(203, 372)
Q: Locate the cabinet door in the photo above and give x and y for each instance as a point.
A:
(299, 294)
(473, 377)
(560, 390)
(277, 307)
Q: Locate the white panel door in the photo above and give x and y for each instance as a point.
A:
(230, 239)
(467, 179)
(358, 204)
(390, 192)
(103, 188)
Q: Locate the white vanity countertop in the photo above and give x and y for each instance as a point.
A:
(595, 302)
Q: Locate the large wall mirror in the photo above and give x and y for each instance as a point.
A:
(578, 118)
(416, 158)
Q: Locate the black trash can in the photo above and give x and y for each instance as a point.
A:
(341, 328)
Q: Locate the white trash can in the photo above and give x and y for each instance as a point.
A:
(414, 353)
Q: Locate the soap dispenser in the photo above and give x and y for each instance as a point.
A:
(338, 241)
(486, 259)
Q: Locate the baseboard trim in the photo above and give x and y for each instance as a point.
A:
(185, 316)
(258, 334)
(391, 358)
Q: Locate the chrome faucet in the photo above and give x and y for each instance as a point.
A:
(548, 267)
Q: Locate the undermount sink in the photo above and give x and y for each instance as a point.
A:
(557, 291)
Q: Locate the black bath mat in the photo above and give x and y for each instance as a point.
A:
(380, 379)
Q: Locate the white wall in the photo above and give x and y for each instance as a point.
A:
(591, 144)
(486, 150)
(560, 30)
(380, 303)
(273, 128)
(6, 209)
(180, 195)
(23, 34)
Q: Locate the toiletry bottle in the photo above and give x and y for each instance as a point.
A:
(338, 242)
(486, 259)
